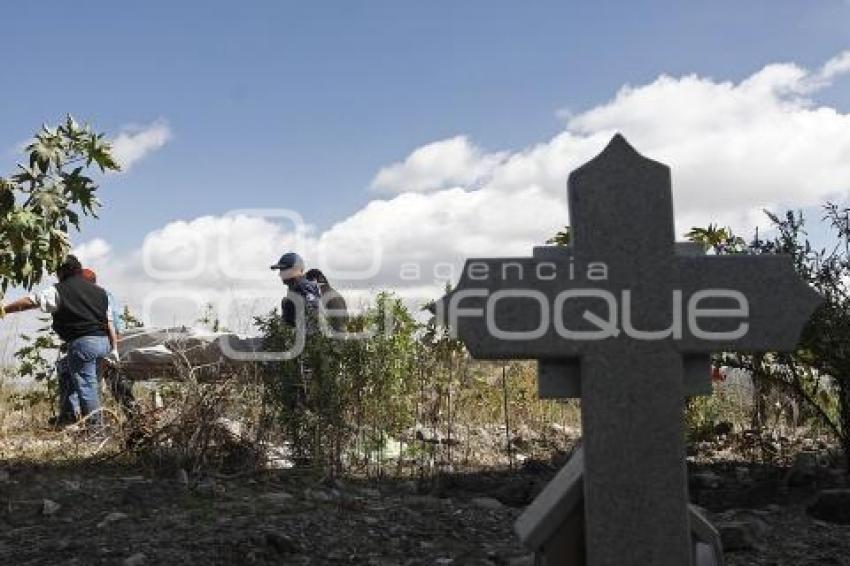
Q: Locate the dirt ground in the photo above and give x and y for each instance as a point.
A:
(111, 514)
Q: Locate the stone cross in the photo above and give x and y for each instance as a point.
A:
(626, 319)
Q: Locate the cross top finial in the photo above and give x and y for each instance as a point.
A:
(621, 204)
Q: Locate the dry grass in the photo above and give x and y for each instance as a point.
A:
(195, 431)
(27, 436)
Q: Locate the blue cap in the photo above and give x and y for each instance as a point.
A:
(288, 261)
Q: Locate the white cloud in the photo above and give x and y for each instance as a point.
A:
(438, 165)
(734, 148)
(232, 255)
(135, 142)
(836, 66)
(93, 251)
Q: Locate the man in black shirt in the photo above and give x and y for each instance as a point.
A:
(80, 312)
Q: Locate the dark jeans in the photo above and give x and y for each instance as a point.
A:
(121, 388)
(69, 403)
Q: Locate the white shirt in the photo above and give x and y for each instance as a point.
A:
(48, 300)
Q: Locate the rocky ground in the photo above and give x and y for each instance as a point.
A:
(793, 511)
(85, 513)
(69, 517)
(77, 515)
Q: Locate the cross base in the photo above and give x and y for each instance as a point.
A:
(553, 525)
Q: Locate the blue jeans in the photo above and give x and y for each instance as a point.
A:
(79, 389)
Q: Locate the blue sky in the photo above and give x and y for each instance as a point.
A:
(299, 104)
(413, 132)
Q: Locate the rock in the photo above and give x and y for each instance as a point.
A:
(423, 501)
(137, 493)
(488, 503)
(757, 525)
(135, 560)
(838, 477)
(280, 543)
(132, 479)
(706, 480)
(564, 430)
(318, 495)
(520, 491)
(804, 470)
(182, 477)
(534, 466)
(738, 535)
(435, 437)
(234, 428)
(527, 560)
(369, 492)
(723, 428)
(833, 506)
(278, 457)
(334, 484)
(207, 488)
(49, 507)
(111, 518)
(148, 494)
(277, 497)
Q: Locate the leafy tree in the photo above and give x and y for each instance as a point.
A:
(820, 367)
(209, 319)
(827, 337)
(45, 197)
(561, 238)
(716, 239)
(130, 320)
(37, 360)
(33, 358)
(354, 393)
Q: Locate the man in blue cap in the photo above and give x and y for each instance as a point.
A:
(302, 298)
(301, 293)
